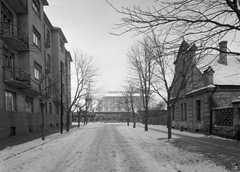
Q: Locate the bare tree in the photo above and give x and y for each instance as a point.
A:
(88, 101)
(174, 75)
(124, 103)
(85, 74)
(131, 100)
(203, 22)
(44, 90)
(141, 60)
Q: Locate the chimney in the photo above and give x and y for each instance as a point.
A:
(223, 52)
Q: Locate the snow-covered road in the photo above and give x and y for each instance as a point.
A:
(104, 148)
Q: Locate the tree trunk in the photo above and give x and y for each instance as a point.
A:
(79, 118)
(169, 122)
(68, 121)
(128, 119)
(134, 120)
(42, 126)
(146, 119)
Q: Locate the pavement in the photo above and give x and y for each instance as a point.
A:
(20, 139)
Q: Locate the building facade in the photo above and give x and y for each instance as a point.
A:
(207, 100)
(32, 52)
(113, 106)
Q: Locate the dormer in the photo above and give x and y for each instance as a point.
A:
(208, 76)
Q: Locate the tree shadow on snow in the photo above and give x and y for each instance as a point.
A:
(20, 139)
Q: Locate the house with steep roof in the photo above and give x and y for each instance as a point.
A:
(208, 101)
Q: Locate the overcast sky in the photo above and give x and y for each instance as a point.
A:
(86, 25)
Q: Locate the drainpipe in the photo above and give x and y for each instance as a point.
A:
(211, 109)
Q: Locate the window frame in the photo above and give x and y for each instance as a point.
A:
(8, 57)
(198, 110)
(61, 45)
(36, 7)
(37, 71)
(181, 111)
(50, 107)
(36, 38)
(29, 101)
(185, 111)
(13, 100)
(45, 107)
(57, 108)
(173, 112)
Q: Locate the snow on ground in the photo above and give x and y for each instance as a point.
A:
(105, 147)
(156, 144)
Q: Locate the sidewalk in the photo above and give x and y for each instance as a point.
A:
(20, 139)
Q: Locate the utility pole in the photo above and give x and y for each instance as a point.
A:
(61, 120)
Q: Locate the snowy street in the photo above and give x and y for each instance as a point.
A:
(117, 147)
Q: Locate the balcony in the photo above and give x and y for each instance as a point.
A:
(20, 6)
(13, 36)
(16, 77)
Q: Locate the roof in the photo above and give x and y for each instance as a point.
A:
(119, 94)
(223, 74)
(46, 19)
(61, 33)
(45, 2)
(68, 54)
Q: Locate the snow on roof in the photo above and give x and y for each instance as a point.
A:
(118, 94)
(223, 74)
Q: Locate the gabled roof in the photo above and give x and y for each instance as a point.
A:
(223, 74)
(45, 2)
(183, 48)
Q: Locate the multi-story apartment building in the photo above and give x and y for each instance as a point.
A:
(32, 54)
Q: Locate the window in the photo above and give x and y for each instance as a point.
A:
(63, 90)
(48, 62)
(46, 108)
(181, 112)
(8, 58)
(61, 45)
(198, 110)
(7, 20)
(36, 38)
(62, 67)
(238, 113)
(173, 114)
(37, 71)
(48, 36)
(36, 6)
(49, 86)
(10, 100)
(185, 111)
(50, 108)
(57, 109)
(29, 104)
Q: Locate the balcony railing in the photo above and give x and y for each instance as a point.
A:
(20, 6)
(14, 36)
(16, 77)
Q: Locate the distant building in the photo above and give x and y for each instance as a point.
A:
(113, 106)
(32, 52)
(208, 106)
